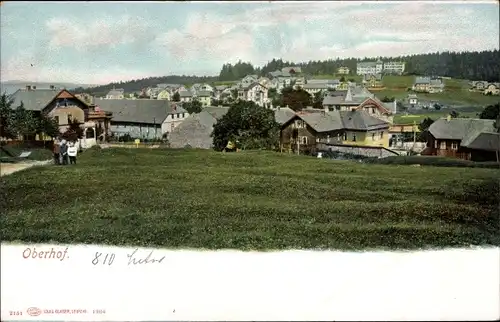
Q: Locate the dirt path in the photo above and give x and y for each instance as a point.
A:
(9, 168)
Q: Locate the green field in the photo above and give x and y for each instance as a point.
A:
(247, 200)
(410, 118)
(456, 90)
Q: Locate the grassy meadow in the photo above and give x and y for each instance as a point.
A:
(247, 200)
(456, 90)
(410, 118)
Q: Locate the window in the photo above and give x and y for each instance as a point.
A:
(327, 139)
(443, 145)
(381, 135)
(373, 110)
(90, 133)
(373, 136)
(183, 115)
(354, 137)
(178, 115)
(57, 119)
(300, 124)
(70, 117)
(454, 146)
(345, 136)
(303, 139)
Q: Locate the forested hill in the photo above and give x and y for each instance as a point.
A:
(139, 84)
(483, 65)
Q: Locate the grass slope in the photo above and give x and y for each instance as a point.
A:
(251, 200)
(410, 118)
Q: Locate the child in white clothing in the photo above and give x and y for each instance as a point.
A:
(72, 152)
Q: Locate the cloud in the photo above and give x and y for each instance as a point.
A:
(207, 37)
(105, 32)
(19, 68)
(199, 40)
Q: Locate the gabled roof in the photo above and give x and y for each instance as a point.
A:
(185, 94)
(359, 120)
(115, 92)
(422, 80)
(148, 111)
(367, 77)
(488, 141)
(473, 133)
(367, 64)
(316, 86)
(204, 94)
(460, 128)
(196, 129)
(38, 99)
(283, 115)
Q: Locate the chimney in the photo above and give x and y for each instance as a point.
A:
(28, 87)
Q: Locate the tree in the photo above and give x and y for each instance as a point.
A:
(47, 126)
(253, 126)
(22, 122)
(318, 99)
(387, 99)
(342, 79)
(296, 99)
(74, 131)
(424, 129)
(454, 114)
(5, 116)
(490, 112)
(272, 93)
(193, 107)
(436, 106)
(176, 97)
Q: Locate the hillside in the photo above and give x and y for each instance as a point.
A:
(483, 65)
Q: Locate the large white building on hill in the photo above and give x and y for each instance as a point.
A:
(392, 67)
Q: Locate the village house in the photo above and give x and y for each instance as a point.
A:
(478, 86)
(144, 118)
(428, 85)
(264, 81)
(116, 94)
(218, 91)
(369, 67)
(394, 67)
(343, 70)
(492, 89)
(362, 100)
(248, 80)
(315, 87)
(373, 80)
(463, 138)
(412, 100)
(164, 94)
(311, 130)
(254, 92)
(205, 98)
(64, 107)
(186, 96)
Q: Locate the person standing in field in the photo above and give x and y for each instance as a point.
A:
(64, 152)
(56, 150)
(72, 152)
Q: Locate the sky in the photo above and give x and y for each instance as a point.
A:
(101, 42)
